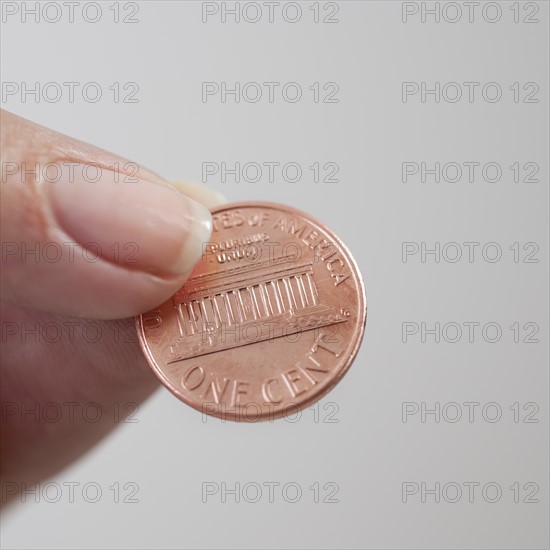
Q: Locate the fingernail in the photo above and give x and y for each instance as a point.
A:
(201, 193)
(143, 225)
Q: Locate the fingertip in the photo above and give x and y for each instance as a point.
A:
(201, 193)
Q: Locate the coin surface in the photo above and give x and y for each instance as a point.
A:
(268, 322)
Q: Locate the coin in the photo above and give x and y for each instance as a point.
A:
(268, 322)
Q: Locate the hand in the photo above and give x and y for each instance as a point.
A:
(85, 235)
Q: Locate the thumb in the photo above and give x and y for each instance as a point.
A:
(87, 233)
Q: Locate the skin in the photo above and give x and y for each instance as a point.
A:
(77, 365)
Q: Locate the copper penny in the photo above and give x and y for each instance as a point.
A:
(268, 322)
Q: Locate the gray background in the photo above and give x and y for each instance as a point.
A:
(369, 452)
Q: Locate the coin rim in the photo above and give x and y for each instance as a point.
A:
(316, 396)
